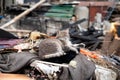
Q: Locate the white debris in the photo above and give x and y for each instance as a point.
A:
(50, 70)
(19, 1)
(104, 73)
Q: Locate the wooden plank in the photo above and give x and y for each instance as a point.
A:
(18, 31)
(107, 42)
(4, 76)
(50, 63)
(23, 14)
(114, 47)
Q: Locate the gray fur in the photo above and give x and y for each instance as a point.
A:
(50, 48)
(55, 47)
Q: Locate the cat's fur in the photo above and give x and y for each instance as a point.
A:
(64, 37)
(49, 48)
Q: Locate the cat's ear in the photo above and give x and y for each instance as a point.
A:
(67, 30)
(58, 32)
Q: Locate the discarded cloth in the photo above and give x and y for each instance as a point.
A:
(13, 62)
(81, 69)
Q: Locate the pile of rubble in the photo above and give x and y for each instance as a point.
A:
(64, 56)
(69, 52)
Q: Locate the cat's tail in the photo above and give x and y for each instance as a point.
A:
(58, 54)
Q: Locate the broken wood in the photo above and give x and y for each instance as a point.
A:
(4, 76)
(23, 14)
(106, 42)
(114, 47)
(50, 63)
(111, 42)
(18, 31)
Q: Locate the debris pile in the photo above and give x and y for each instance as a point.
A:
(76, 48)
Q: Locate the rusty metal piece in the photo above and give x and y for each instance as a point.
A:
(93, 3)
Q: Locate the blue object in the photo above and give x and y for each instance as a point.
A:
(1, 17)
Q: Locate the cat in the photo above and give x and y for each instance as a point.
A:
(64, 37)
(56, 47)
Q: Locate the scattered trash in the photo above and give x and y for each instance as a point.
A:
(64, 41)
